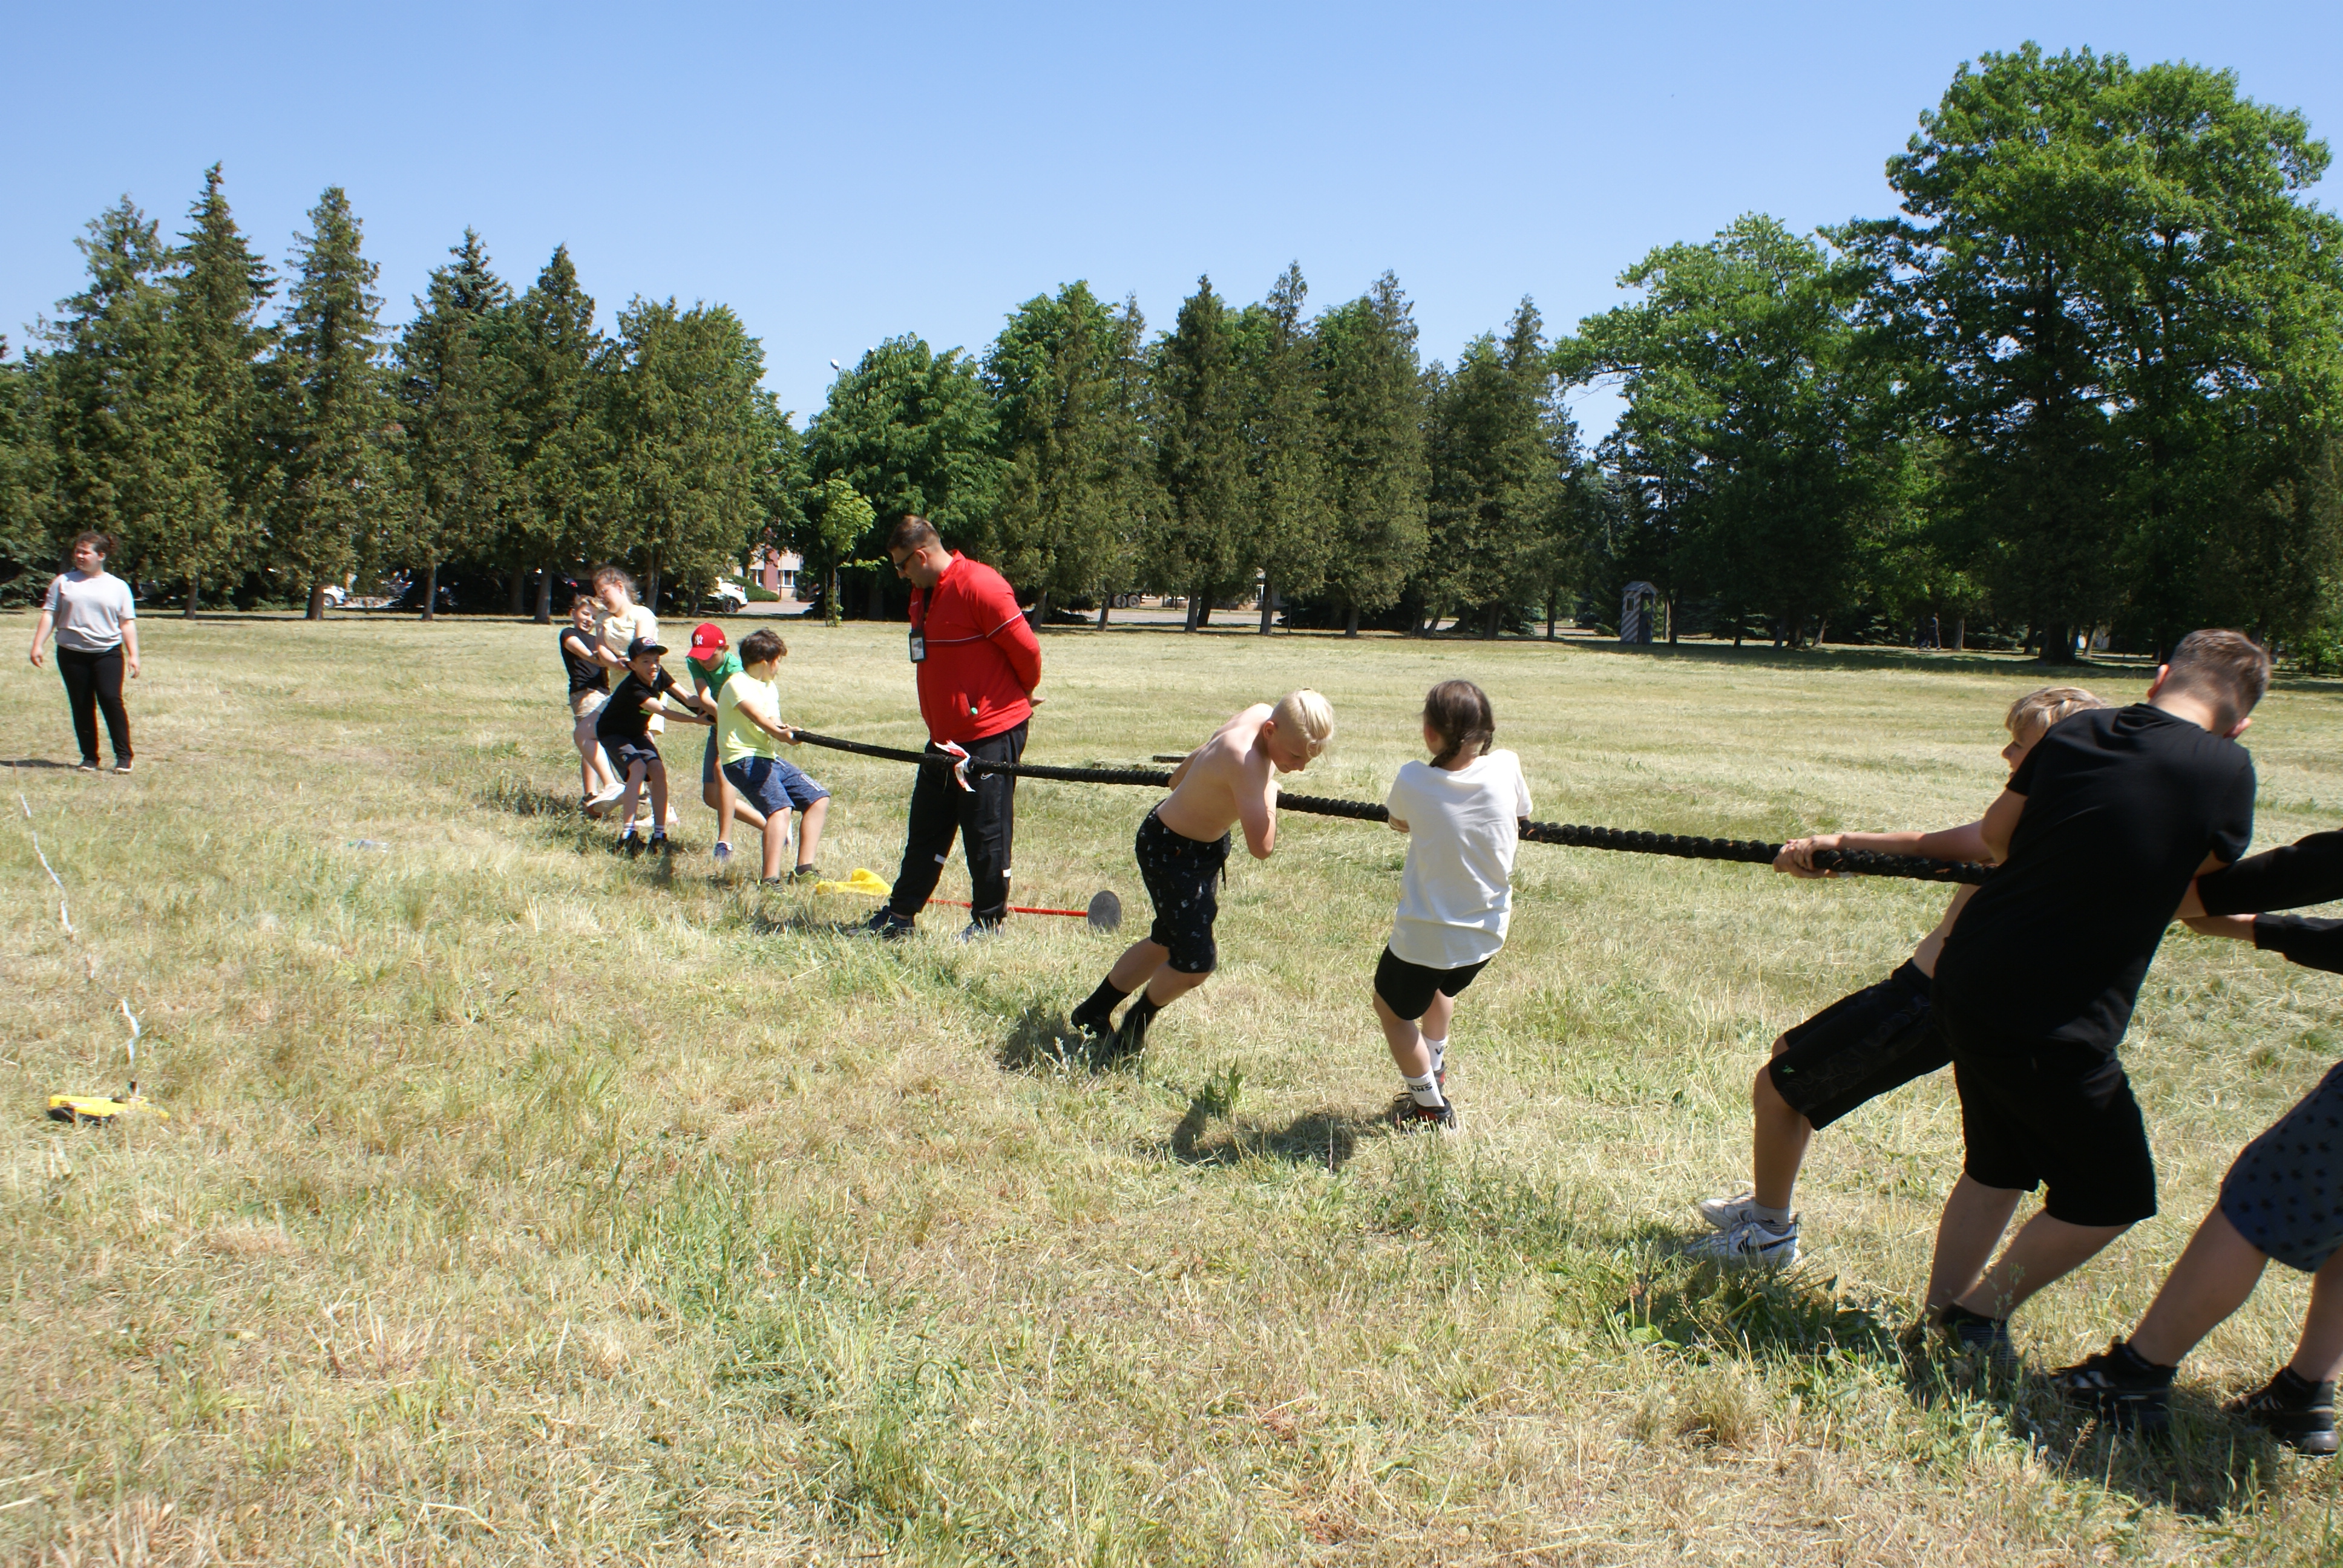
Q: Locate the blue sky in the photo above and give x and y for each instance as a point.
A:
(840, 174)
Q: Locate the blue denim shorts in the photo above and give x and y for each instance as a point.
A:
(770, 784)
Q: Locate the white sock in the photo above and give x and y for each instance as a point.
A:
(1439, 1048)
(1776, 1219)
(1427, 1090)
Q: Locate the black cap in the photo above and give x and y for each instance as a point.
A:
(641, 646)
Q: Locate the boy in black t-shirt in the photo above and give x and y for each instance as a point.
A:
(2099, 833)
(624, 728)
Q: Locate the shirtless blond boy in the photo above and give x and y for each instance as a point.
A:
(1183, 850)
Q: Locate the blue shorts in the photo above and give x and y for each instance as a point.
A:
(2285, 1193)
(770, 784)
(625, 753)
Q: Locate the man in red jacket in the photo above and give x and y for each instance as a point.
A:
(976, 663)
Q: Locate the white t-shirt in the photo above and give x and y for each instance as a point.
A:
(1456, 894)
(89, 608)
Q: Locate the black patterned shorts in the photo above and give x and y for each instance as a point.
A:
(1182, 875)
(2285, 1193)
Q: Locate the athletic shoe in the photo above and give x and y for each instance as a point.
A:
(88, 765)
(122, 764)
(601, 800)
(631, 843)
(1095, 1028)
(2125, 1389)
(1408, 1116)
(1969, 1333)
(1725, 1213)
(887, 926)
(659, 846)
(1130, 1037)
(1750, 1244)
(721, 854)
(2298, 1414)
(805, 874)
(978, 931)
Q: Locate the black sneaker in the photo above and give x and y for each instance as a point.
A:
(1408, 1116)
(1130, 1037)
(630, 844)
(887, 926)
(659, 846)
(2298, 1413)
(1097, 1028)
(88, 765)
(1969, 1333)
(122, 764)
(2125, 1389)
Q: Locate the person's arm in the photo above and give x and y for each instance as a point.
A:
(41, 630)
(2307, 871)
(1257, 810)
(1965, 842)
(1999, 824)
(130, 644)
(772, 726)
(1012, 635)
(2305, 939)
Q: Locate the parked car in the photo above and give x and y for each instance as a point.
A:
(730, 594)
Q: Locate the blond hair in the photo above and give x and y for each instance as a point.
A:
(2039, 710)
(1306, 714)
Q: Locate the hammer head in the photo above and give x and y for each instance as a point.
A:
(1106, 911)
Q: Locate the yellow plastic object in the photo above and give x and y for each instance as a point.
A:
(863, 881)
(79, 1108)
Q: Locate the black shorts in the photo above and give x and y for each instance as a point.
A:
(625, 752)
(2046, 1112)
(1407, 989)
(1182, 876)
(2285, 1192)
(1860, 1047)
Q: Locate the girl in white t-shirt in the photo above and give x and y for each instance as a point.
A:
(1460, 812)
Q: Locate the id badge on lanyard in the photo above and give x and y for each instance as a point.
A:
(919, 645)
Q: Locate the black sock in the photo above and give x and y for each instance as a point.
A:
(1954, 1312)
(1101, 1003)
(1135, 1020)
(2135, 1361)
(2296, 1386)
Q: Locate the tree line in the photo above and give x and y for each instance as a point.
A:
(2087, 379)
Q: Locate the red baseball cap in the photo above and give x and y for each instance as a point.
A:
(708, 637)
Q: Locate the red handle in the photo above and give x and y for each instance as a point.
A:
(1016, 909)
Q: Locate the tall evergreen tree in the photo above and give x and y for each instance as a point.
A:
(130, 449)
(1500, 445)
(685, 442)
(219, 289)
(334, 414)
(913, 431)
(455, 398)
(24, 468)
(549, 352)
(1292, 523)
(1198, 406)
(1073, 496)
(1376, 472)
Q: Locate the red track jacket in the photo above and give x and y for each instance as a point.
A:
(983, 661)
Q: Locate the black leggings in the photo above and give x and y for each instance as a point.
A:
(93, 680)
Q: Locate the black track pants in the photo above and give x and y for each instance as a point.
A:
(93, 680)
(984, 818)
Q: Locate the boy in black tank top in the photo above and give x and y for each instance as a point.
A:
(589, 689)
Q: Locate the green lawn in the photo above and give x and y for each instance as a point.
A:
(519, 1202)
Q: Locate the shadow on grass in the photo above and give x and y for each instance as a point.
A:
(1322, 1138)
(40, 762)
(519, 798)
(1041, 1038)
(1757, 1314)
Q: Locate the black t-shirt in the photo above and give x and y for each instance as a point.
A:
(2122, 806)
(623, 716)
(585, 674)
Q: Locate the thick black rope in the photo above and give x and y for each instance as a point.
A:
(1753, 851)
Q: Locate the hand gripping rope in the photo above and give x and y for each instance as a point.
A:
(1689, 846)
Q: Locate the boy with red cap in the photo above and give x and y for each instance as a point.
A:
(712, 663)
(976, 663)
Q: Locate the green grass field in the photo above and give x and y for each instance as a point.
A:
(521, 1204)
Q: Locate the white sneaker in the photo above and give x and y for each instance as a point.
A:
(722, 853)
(1724, 1213)
(1753, 1245)
(603, 800)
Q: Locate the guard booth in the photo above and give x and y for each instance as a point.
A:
(1638, 608)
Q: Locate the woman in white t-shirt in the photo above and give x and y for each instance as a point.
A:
(1461, 813)
(97, 624)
